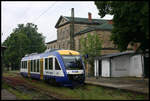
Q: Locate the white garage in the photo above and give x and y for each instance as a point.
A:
(123, 64)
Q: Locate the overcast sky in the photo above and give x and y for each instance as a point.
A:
(43, 14)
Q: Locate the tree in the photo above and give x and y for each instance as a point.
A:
(130, 22)
(36, 39)
(23, 40)
(90, 46)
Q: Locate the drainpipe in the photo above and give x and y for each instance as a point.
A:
(95, 67)
(110, 66)
(142, 60)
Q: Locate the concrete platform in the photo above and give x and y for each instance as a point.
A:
(138, 85)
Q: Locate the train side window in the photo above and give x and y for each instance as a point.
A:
(50, 63)
(31, 66)
(34, 65)
(26, 64)
(57, 67)
(46, 64)
(22, 64)
(38, 65)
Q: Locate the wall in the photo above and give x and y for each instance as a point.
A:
(104, 36)
(52, 45)
(104, 52)
(63, 36)
(136, 66)
(105, 67)
(120, 66)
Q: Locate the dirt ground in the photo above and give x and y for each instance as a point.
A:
(6, 95)
(135, 84)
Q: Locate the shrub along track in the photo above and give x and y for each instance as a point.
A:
(25, 85)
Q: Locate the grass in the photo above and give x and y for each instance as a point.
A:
(90, 92)
(86, 92)
(11, 73)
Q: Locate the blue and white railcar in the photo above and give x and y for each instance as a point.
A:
(62, 66)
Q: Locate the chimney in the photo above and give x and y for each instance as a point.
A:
(89, 17)
(136, 46)
(110, 21)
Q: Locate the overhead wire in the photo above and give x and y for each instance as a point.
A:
(40, 14)
(44, 12)
(8, 31)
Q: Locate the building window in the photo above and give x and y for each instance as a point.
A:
(67, 32)
(62, 45)
(65, 45)
(60, 34)
(79, 44)
(59, 45)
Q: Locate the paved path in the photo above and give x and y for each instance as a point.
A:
(6, 95)
(139, 85)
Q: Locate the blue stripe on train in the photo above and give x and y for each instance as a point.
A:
(24, 74)
(36, 76)
(62, 80)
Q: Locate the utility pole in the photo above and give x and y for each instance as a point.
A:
(72, 47)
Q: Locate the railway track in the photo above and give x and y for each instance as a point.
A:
(20, 84)
(27, 85)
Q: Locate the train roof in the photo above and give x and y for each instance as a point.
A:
(48, 53)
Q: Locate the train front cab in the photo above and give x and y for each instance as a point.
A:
(73, 66)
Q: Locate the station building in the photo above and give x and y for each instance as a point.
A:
(82, 26)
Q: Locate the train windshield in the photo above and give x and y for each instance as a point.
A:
(72, 62)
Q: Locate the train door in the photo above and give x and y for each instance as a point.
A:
(57, 69)
(29, 67)
(41, 69)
